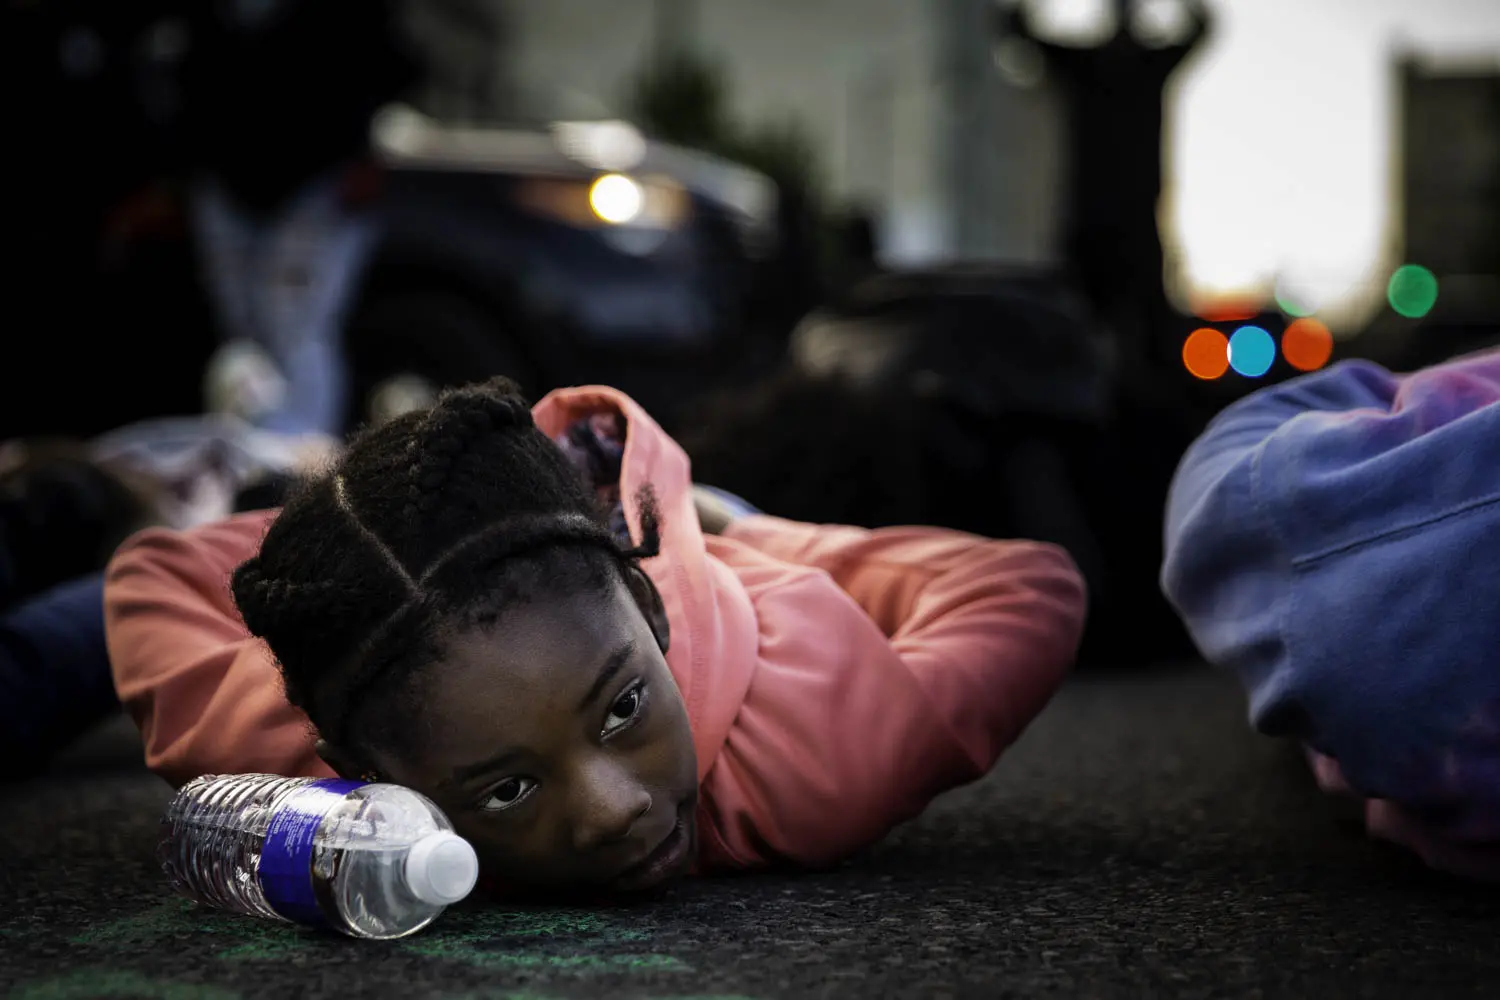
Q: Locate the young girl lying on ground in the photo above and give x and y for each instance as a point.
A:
(603, 675)
(1333, 539)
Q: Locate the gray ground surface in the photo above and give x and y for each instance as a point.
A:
(1138, 842)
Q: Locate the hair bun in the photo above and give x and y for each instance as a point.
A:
(496, 404)
(456, 421)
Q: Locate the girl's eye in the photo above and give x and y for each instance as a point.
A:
(625, 709)
(509, 793)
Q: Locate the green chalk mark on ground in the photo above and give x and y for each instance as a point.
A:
(254, 939)
(177, 916)
(93, 984)
(159, 921)
(485, 938)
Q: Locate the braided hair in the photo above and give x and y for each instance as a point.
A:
(447, 515)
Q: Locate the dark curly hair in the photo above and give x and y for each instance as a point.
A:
(447, 515)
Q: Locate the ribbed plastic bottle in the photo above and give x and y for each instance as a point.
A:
(367, 860)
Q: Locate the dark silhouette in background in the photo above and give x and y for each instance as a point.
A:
(118, 107)
(275, 94)
(1113, 93)
(93, 125)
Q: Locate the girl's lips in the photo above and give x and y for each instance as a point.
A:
(669, 858)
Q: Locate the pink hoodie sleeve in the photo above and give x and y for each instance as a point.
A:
(206, 695)
(894, 664)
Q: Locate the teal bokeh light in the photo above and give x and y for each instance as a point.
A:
(1252, 351)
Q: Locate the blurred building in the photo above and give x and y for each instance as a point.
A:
(1450, 183)
(914, 120)
(1446, 190)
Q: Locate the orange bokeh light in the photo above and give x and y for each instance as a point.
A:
(1206, 353)
(1307, 344)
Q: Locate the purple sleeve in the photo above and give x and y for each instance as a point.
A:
(1331, 540)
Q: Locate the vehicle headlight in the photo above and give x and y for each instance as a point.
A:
(616, 199)
(608, 201)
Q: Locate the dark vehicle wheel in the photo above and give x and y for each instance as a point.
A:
(404, 349)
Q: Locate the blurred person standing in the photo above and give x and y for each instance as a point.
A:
(280, 97)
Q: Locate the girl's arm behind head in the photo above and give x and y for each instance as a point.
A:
(206, 696)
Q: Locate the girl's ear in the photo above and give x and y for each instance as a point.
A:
(648, 599)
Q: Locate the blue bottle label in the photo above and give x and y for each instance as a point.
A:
(286, 875)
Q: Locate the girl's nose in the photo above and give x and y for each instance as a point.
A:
(609, 801)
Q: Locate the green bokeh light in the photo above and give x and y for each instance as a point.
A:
(1293, 300)
(1294, 307)
(1413, 291)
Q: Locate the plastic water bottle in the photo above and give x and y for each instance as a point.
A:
(368, 860)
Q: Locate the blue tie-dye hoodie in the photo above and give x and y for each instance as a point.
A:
(1335, 540)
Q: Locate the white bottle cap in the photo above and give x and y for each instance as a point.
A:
(441, 868)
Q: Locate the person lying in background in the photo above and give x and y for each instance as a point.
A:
(604, 675)
(65, 506)
(61, 517)
(1332, 540)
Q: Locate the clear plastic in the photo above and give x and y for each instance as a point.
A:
(378, 856)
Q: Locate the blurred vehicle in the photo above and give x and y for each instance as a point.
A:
(278, 204)
(554, 254)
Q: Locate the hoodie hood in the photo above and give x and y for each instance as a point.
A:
(714, 643)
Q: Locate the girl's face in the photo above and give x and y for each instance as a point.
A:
(558, 744)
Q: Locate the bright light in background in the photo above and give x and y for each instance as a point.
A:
(1251, 351)
(1086, 21)
(1080, 22)
(1278, 155)
(1412, 291)
(1282, 143)
(616, 198)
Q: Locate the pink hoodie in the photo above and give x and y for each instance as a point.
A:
(836, 679)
